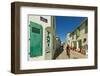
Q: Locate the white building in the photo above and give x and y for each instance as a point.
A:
(68, 39)
(78, 38)
(44, 37)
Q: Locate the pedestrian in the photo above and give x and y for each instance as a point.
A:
(68, 50)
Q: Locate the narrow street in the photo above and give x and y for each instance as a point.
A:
(73, 55)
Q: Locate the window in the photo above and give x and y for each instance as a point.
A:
(84, 40)
(35, 30)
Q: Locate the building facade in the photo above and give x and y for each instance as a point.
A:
(78, 39)
(58, 43)
(41, 33)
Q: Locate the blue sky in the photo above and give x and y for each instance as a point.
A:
(65, 24)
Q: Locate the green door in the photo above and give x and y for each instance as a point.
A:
(80, 43)
(35, 39)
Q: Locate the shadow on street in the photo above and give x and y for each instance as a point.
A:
(58, 52)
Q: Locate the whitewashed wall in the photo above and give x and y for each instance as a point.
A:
(36, 19)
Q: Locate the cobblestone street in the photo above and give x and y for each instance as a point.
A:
(73, 55)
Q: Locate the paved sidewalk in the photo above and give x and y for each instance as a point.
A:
(63, 55)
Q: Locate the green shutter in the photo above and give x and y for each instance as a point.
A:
(74, 43)
(35, 39)
(77, 33)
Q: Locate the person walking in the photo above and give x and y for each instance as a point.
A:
(68, 50)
